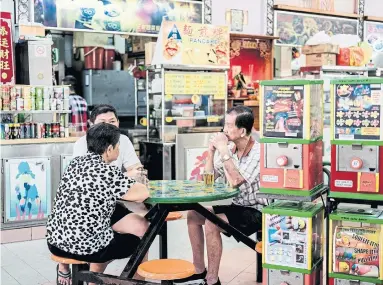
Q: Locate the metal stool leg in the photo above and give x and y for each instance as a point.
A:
(259, 261)
(75, 269)
(163, 236)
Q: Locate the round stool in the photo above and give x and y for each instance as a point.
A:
(173, 216)
(64, 260)
(258, 247)
(166, 269)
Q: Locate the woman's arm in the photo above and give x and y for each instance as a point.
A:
(137, 193)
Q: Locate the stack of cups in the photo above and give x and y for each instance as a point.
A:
(47, 98)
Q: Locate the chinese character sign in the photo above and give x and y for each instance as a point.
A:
(194, 44)
(6, 49)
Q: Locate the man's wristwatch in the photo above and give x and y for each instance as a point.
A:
(224, 158)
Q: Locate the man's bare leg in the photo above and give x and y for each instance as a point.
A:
(98, 268)
(64, 268)
(214, 249)
(195, 222)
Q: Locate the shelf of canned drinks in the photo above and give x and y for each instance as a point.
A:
(32, 130)
(35, 112)
(34, 98)
(38, 141)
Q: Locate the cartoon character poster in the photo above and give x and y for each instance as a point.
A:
(286, 241)
(284, 111)
(28, 189)
(358, 111)
(356, 251)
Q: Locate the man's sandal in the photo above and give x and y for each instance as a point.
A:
(67, 276)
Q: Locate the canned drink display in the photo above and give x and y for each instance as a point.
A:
(26, 91)
(22, 131)
(62, 131)
(48, 133)
(2, 131)
(59, 105)
(16, 134)
(33, 130)
(53, 104)
(6, 131)
(1, 103)
(47, 92)
(27, 103)
(39, 103)
(13, 104)
(10, 131)
(67, 132)
(39, 92)
(58, 92)
(66, 104)
(32, 93)
(39, 130)
(47, 104)
(20, 104)
(66, 92)
(33, 103)
(27, 130)
(17, 91)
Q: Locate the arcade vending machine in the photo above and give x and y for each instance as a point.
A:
(291, 136)
(355, 247)
(293, 243)
(357, 139)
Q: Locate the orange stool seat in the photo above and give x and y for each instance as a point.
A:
(258, 247)
(172, 216)
(166, 269)
(66, 260)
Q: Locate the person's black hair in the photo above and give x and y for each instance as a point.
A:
(245, 117)
(71, 81)
(99, 137)
(101, 109)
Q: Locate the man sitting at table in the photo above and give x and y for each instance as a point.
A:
(85, 223)
(127, 158)
(234, 157)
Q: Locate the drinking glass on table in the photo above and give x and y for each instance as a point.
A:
(208, 178)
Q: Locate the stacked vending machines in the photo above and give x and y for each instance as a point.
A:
(291, 136)
(357, 139)
(355, 252)
(292, 243)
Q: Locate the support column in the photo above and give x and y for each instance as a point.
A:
(361, 4)
(270, 17)
(24, 11)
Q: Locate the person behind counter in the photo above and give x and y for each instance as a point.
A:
(77, 105)
(86, 223)
(127, 158)
(237, 163)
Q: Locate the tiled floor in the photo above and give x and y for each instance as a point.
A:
(29, 262)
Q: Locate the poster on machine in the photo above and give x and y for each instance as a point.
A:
(356, 251)
(357, 111)
(283, 111)
(27, 189)
(286, 241)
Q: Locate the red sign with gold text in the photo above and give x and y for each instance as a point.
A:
(7, 73)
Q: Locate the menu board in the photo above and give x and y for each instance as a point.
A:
(287, 241)
(196, 84)
(283, 111)
(357, 111)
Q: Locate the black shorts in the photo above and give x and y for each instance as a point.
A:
(245, 219)
(120, 247)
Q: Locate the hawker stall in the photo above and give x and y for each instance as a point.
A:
(187, 87)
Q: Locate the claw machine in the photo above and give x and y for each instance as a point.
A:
(186, 94)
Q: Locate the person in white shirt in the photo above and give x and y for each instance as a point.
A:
(128, 158)
(127, 161)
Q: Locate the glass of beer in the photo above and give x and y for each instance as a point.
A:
(208, 178)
